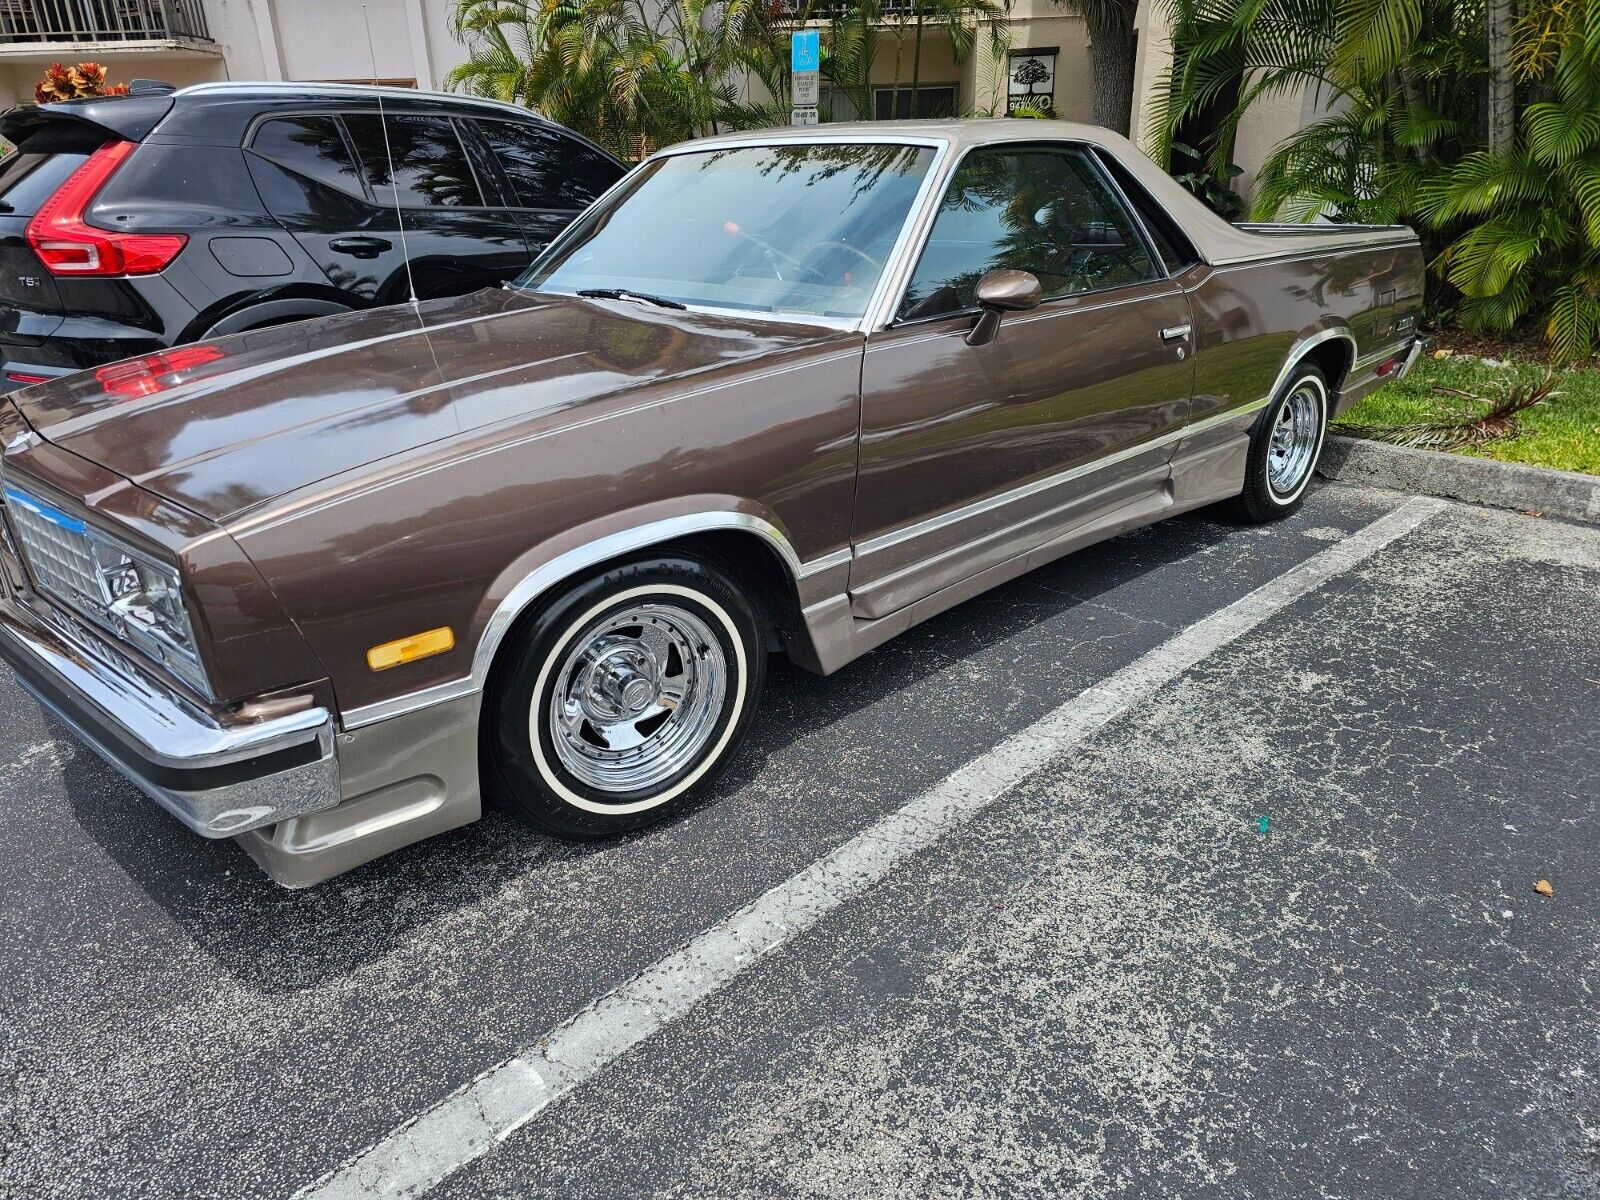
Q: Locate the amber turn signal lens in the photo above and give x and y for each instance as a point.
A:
(409, 649)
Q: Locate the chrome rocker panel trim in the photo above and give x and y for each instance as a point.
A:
(218, 780)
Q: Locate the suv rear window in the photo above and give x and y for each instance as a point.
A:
(430, 165)
(547, 169)
(311, 147)
(28, 180)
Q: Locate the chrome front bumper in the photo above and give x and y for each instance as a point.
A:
(218, 780)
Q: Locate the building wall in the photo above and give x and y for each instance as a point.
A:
(410, 41)
(312, 40)
(1041, 25)
(1269, 122)
(981, 78)
(320, 40)
(1152, 63)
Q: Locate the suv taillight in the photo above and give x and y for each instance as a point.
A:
(68, 245)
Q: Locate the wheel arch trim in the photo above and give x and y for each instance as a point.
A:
(1307, 343)
(287, 309)
(553, 571)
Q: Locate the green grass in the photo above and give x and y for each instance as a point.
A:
(1563, 432)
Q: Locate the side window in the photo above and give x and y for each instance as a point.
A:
(1041, 209)
(431, 169)
(1171, 244)
(311, 147)
(548, 169)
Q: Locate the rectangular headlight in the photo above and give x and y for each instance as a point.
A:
(123, 590)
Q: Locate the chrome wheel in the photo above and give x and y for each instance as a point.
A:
(638, 696)
(1296, 437)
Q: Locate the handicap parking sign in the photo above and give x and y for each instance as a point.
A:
(805, 51)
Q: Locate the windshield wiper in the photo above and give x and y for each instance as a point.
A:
(627, 294)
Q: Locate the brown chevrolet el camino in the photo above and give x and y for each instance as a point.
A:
(324, 588)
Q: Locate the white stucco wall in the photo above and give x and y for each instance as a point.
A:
(1153, 63)
(278, 39)
(1268, 123)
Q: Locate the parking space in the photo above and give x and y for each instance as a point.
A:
(1268, 931)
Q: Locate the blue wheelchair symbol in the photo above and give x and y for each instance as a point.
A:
(805, 51)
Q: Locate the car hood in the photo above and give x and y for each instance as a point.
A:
(227, 426)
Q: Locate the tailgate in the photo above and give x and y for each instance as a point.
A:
(30, 303)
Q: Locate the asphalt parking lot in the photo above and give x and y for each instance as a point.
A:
(1265, 927)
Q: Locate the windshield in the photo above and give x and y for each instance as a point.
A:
(785, 228)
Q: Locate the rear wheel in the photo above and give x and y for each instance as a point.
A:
(1285, 446)
(624, 700)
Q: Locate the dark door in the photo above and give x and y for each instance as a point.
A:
(972, 456)
(307, 175)
(552, 177)
(328, 181)
(458, 232)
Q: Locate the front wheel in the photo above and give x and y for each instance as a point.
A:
(624, 700)
(1285, 446)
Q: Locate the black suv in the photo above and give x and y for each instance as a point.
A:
(133, 223)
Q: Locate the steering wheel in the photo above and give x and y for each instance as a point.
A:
(872, 264)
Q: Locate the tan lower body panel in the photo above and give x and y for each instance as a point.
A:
(405, 779)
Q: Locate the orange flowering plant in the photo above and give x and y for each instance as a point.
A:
(75, 83)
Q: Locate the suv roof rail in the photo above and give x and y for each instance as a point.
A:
(353, 90)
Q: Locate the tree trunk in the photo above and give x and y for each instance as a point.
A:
(1411, 90)
(1111, 46)
(1502, 87)
(899, 50)
(916, 65)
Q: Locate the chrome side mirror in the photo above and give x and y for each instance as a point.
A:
(1002, 291)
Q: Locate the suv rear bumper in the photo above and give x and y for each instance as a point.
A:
(31, 372)
(78, 344)
(218, 780)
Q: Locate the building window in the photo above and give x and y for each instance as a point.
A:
(1032, 81)
(933, 100)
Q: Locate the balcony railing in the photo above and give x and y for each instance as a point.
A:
(827, 10)
(102, 21)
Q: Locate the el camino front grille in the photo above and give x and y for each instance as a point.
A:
(57, 552)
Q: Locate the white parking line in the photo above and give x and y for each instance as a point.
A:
(467, 1124)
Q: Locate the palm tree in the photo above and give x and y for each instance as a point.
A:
(631, 74)
(1531, 212)
(1111, 58)
(962, 21)
(1511, 227)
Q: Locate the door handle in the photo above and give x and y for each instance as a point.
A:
(1173, 332)
(360, 247)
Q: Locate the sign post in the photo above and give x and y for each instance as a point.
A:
(805, 70)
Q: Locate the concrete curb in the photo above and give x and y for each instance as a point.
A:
(1458, 477)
